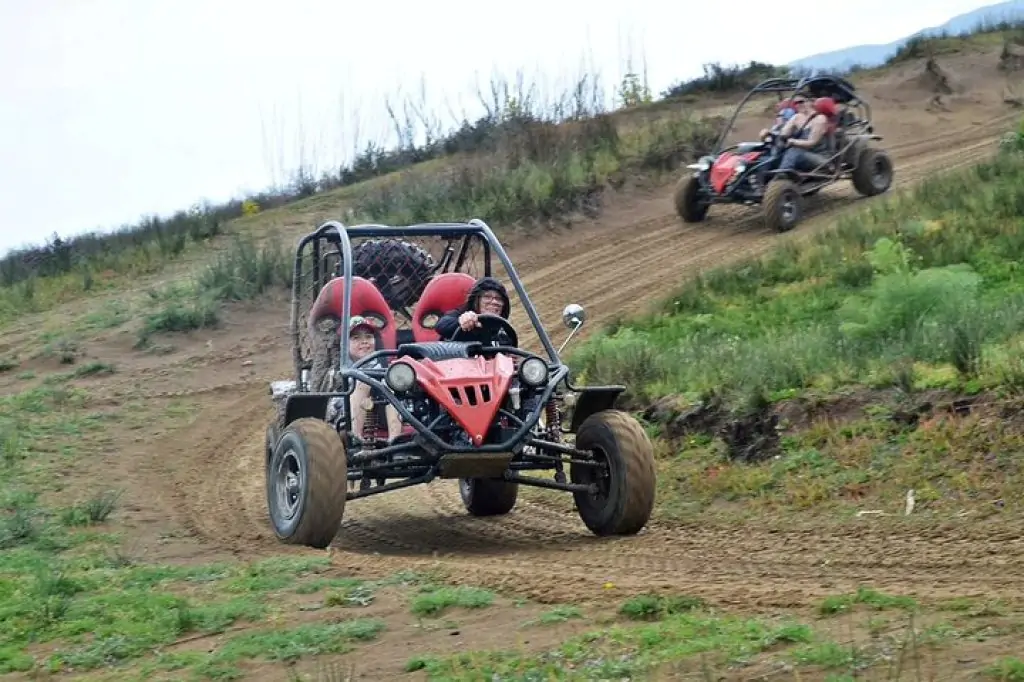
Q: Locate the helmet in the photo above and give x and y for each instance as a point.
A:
(825, 106)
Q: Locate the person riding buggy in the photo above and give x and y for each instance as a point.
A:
(365, 400)
(488, 296)
(784, 111)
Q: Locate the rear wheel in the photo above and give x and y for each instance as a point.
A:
(873, 174)
(306, 483)
(689, 204)
(625, 484)
(488, 496)
(782, 205)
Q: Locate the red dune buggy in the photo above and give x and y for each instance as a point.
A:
(485, 415)
(748, 172)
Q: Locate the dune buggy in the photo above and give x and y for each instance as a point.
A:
(483, 415)
(748, 172)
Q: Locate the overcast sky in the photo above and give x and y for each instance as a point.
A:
(111, 109)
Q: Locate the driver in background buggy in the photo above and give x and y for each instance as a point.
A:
(488, 296)
(784, 111)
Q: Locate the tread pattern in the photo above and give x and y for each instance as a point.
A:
(637, 478)
(327, 480)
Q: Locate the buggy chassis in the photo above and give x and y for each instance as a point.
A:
(515, 426)
(745, 172)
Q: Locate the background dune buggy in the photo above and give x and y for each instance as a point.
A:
(747, 172)
(481, 415)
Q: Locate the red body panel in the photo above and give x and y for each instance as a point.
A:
(724, 168)
(471, 390)
(366, 300)
(443, 293)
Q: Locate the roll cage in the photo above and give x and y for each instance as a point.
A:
(839, 89)
(340, 237)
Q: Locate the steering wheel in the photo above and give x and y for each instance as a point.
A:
(494, 324)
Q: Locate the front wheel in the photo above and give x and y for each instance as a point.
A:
(690, 206)
(782, 205)
(306, 483)
(488, 496)
(626, 479)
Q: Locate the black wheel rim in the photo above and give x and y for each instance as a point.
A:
(599, 476)
(789, 209)
(880, 172)
(289, 482)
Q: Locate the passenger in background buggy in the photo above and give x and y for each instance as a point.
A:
(362, 340)
(488, 296)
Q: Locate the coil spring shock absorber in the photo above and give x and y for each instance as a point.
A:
(553, 419)
(369, 435)
(553, 423)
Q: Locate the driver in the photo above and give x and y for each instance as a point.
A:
(785, 110)
(489, 296)
(362, 340)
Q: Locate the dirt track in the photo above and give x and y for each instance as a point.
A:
(207, 477)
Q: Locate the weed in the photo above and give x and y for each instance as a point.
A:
(868, 597)
(1009, 669)
(433, 601)
(657, 607)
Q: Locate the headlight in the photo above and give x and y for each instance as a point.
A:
(534, 372)
(400, 377)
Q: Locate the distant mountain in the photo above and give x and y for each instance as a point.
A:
(875, 55)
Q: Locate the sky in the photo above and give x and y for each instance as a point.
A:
(115, 109)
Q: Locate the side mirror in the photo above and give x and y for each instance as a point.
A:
(573, 315)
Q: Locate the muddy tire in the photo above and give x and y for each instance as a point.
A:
(783, 206)
(399, 268)
(873, 174)
(488, 496)
(626, 497)
(306, 484)
(273, 433)
(687, 200)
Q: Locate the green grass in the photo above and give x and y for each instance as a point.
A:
(71, 598)
(243, 272)
(867, 634)
(626, 651)
(434, 600)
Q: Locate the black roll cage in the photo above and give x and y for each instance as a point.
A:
(823, 85)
